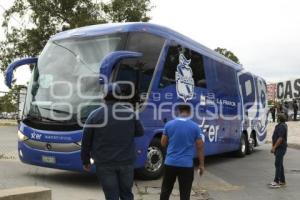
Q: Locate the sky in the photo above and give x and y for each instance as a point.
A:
(263, 34)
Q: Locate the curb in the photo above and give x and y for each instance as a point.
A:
(8, 123)
(26, 193)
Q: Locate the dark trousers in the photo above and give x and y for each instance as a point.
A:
(116, 181)
(295, 115)
(185, 179)
(273, 117)
(279, 172)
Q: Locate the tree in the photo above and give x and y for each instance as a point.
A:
(127, 10)
(9, 101)
(47, 17)
(228, 54)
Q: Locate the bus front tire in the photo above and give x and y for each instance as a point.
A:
(155, 162)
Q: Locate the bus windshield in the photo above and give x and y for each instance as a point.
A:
(65, 80)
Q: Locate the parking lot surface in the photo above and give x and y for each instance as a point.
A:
(226, 177)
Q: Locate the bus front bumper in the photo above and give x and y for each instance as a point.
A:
(58, 160)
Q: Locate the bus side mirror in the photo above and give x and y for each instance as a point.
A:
(110, 61)
(14, 65)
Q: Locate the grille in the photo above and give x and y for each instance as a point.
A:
(55, 147)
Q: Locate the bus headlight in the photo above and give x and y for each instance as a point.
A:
(78, 143)
(21, 136)
(92, 161)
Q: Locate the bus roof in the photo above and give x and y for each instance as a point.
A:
(103, 29)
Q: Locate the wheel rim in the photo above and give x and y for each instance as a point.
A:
(154, 159)
(252, 143)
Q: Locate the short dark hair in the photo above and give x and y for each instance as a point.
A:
(281, 117)
(184, 108)
(112, 90)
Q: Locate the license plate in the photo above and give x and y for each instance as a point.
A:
(49, 159)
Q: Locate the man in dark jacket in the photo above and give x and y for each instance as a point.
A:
(111, 146)
(279, 147)
(295, 106)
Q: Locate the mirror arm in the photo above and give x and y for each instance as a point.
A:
(14, 65)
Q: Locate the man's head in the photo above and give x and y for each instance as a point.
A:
(184, 110)
(113, 91)
(281, 117)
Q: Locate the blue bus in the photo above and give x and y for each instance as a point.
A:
(165, 67)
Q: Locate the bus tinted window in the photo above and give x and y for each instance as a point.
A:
(172, 60)
(227, 80)
(141, 70)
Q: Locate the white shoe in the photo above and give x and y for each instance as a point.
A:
(274, 185)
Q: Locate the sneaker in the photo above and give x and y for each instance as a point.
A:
(275, 185)
(282, 183)
(272, 183)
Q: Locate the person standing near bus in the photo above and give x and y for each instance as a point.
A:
(273, 112)
(279, 148)
(112, 146)
(286, 110)
(180, 137)
(295, 107)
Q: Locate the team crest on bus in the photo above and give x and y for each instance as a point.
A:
(184, 79)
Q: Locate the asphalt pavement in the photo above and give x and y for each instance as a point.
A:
(226, 178)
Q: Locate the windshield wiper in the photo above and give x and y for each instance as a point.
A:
(55, 110)
(43, 119)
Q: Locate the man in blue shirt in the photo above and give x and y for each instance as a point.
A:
(181, 135)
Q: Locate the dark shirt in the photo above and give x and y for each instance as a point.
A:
(295, 106)
(272, 110)
(281, 130)
(112, 144)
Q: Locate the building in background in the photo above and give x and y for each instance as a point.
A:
(288, 90)
(284, 91)
(271, 90)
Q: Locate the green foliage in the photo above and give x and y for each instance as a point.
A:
(127, 10)
(47, 17)
(228, 54)
(9, 101)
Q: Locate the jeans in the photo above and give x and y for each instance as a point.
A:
(116, 181)
(279, 172)
(185, 179)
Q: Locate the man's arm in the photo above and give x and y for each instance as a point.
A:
(164, 141)
(200, 153)
(278, 142)
(86, 146)
(139, 129)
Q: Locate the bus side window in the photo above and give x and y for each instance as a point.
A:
(140, 71)
(172, 60)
